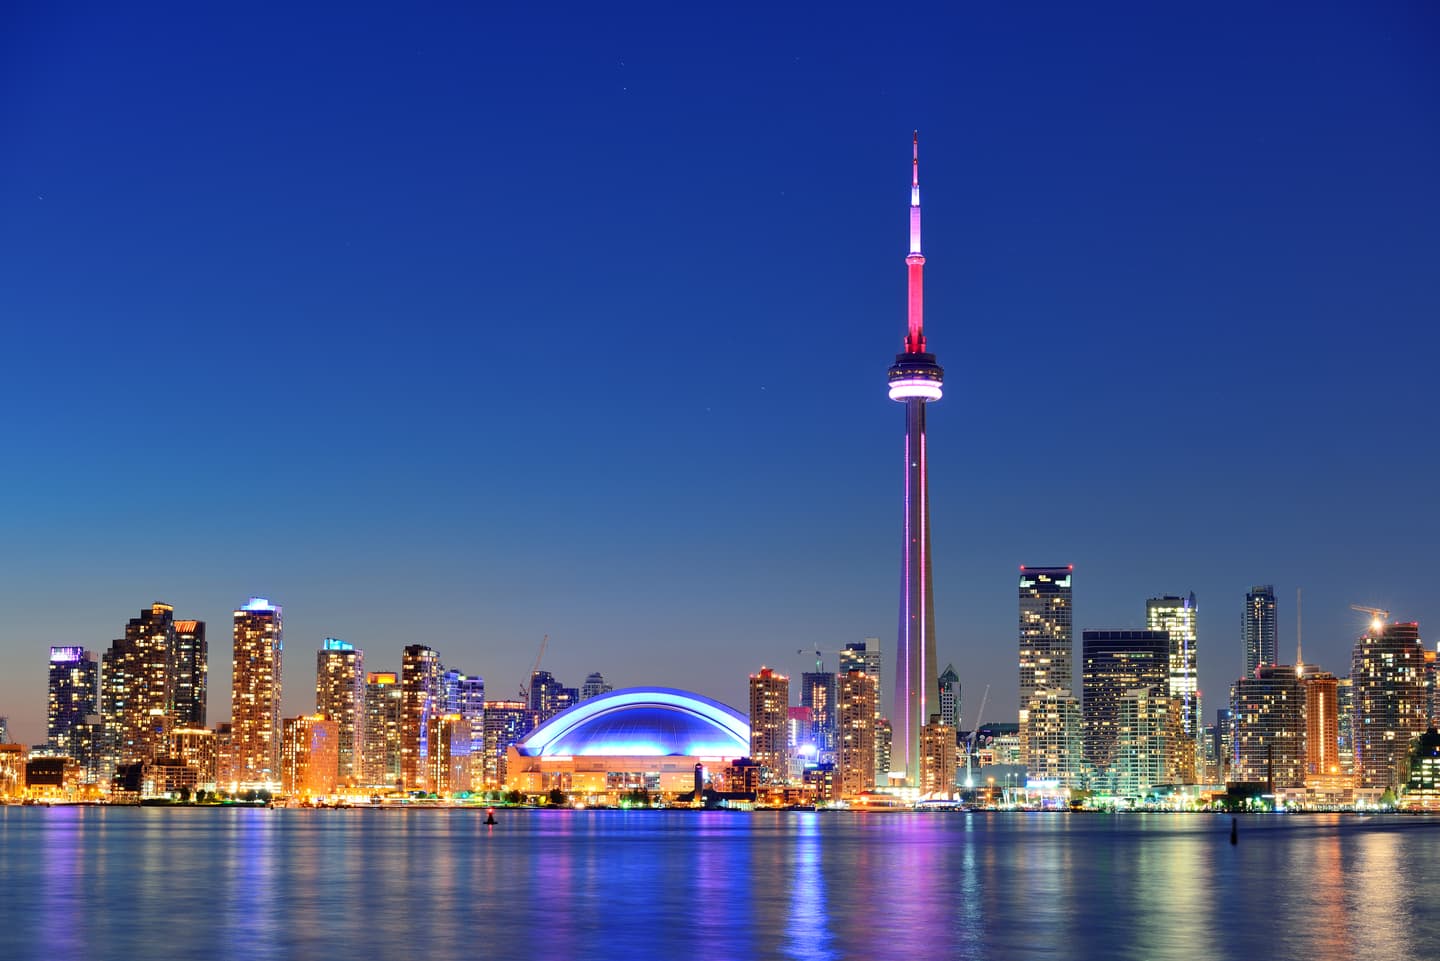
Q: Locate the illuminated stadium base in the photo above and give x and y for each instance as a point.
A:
(638, 737)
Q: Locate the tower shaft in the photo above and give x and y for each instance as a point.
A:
(915, 378)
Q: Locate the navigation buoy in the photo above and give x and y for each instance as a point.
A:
(490, 816)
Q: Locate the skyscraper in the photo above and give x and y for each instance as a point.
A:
(914, 380)
(950, 697)
(1116, 664)
(820, 692)
(138, 684)
(1270, 727)
(255, 693)
(939, 757)
(1259, 628)
(769, 723)
(866, 656)
(549, 697)
(381, 747)
(1322, 725)
(1047, 640)
(506, 722)
(1176, 616)
(340, 697)
(1390, 711)
(419, 702)
(73, 699)
(594, 686)
(310, 755)
(855, 747)
(192, 666)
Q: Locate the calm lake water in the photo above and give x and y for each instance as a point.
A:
(131, 883)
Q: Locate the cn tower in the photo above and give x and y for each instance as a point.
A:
(915, 378)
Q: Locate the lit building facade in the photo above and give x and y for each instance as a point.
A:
(74, 699)
(594, 686)
(819, 692)
(1259, 628)
(506, 722)
(914, 380)
(549, 697)
(255, 693)
(866, 656)
(1386, 668)
(1422, 788)
(1142, 741)
(1047, 640)
(1270, 727)
(380, 750)
(420, 672)
(310, 757)
(939, 757)
(949, 702)
(192, 671)
(1322, 725)
(1052, 740)
(855, 743)
(340, 697)
(196, 748)
(1116, 663)
(137, 681)
(769, 724)
(1177, 617)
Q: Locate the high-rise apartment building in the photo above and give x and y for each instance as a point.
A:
(310, 756)
(594, 686)
(1142, 741)
(914, 380)
(866, 656)
(1052, 739)
(255, 693)
(420, 703)
(1322, 725)
(855, 741)
(196, 748)
(769, 723)
(819, 691)
(192, 667)
(1390, 702)
(1345, 724)
(949, 700)
(1259, 628)
(1116, 663)
(940, 757)
(340, 697)
(549, 697)
(1270, 727)
(74, 692)
(137, 681)
(506, 722)
(1046, 641)
(1176, 616)
(380, 749)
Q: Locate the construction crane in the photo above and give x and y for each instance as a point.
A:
(525, 684)
(970, 741)
(1378, 617)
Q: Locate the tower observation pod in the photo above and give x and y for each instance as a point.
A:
(915, 379)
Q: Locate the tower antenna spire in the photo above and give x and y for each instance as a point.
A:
(915, 329)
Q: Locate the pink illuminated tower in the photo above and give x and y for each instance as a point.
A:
(914, 379)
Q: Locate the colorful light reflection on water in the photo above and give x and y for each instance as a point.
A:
(251, 883)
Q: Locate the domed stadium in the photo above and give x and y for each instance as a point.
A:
(638, 737)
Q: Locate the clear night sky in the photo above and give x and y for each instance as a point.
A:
(464, 328)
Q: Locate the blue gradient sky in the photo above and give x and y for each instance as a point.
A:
(466, 327)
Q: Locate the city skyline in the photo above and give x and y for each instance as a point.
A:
(337, 313)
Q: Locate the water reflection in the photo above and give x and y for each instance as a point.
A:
(248, 883)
